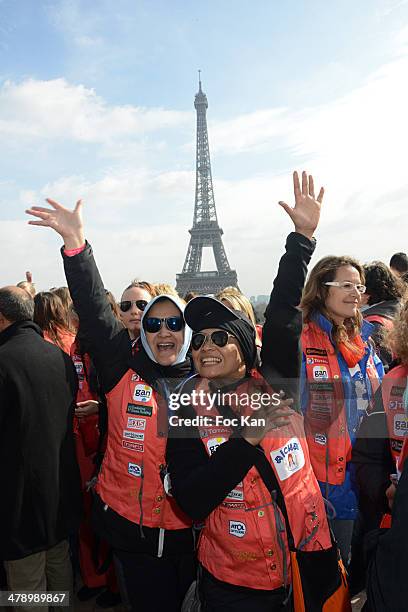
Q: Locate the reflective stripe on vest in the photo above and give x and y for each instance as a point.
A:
(240, 542)
(130, 481)
(325, 416)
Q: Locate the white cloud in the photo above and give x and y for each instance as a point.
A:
(58, 110)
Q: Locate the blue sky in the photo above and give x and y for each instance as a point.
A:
(96, 101)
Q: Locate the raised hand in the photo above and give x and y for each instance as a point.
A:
(67, 223)
(306, 212)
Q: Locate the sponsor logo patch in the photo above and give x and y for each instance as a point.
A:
(288, 459)
(400, 424)
(237, 529)
(320, 439)
(139, 410)
(396, 445)
(396, 405)
(237, 493)
(134, 446)
(398, 391)
(134, 469)
(316, 351)
(234, 505)
(135, 377)
(134, 423)
(320, 372)
(133, 435)
(214, 443)
(142, 393)
(79, 367)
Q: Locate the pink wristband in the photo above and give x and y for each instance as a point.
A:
(72, 252)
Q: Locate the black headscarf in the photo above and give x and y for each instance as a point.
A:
(205, 312)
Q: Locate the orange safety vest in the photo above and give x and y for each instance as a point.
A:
(130, 478)
(393, 387)
(325, 417)
(240, 542)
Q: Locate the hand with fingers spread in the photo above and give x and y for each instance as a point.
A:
(269, 418)
(306, 212)
(67, 223)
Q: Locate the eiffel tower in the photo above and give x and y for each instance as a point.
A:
(205, 231)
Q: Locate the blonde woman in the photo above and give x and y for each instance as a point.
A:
(340, 373)
(233, 298)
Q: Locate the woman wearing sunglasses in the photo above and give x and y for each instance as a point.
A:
(132, 304)
(340, 372)
(221, 470)
(151, 538)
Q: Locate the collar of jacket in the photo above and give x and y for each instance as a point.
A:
(325, 325)
(16, 328)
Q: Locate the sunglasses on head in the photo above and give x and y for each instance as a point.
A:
(154, 324)
(219, 337)
(127, 305)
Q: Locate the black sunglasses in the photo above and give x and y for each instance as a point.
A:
(127, 305)
(219, 338)
(154, 324)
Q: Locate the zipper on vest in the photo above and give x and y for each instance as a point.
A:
(161, 543)
(280, 529)
(142, 535)
(162, 529)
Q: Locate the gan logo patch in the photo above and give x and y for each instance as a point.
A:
(142, 393)
(400, 424)
(288, 459)
(237, 529)
(320, 372)
(214, 443)
(139, 410)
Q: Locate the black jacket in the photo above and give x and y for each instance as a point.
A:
(200, 483)
(387, 584)
(387, 309)
(373, 463)
(39, 477)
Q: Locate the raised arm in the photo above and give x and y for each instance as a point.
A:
(103, 331)
(280, 354)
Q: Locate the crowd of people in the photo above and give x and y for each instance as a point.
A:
(171, 453)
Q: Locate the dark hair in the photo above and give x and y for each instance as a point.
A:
(16, 305)
(399, 262)
(50, 315)
(113, 304)
(381, 283)
(189, 296)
